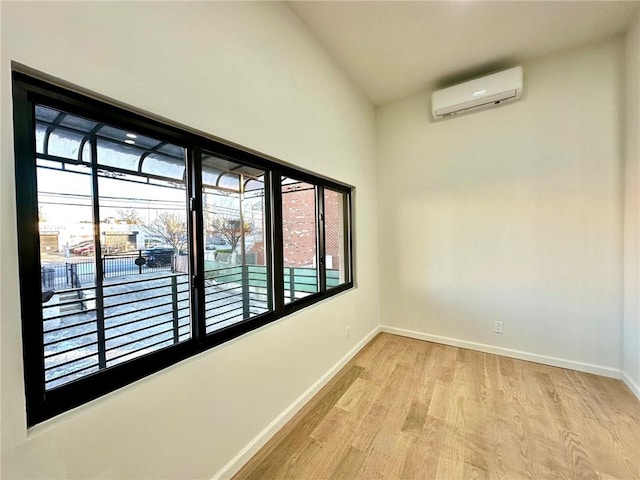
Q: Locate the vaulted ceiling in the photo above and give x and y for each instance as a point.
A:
(392, 49)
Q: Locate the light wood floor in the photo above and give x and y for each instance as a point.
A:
(405, 408)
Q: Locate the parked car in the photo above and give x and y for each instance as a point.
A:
(217, 243)
(79, 245)
(158, 256)
(88, 250)
(85, 250)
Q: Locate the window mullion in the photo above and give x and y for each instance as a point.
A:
(196, 252)
(278, 249)
(246, 310)
(97, 249)
(268, 238)
(321, 243)
(348, 238)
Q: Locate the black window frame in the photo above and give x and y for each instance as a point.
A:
(42, 404)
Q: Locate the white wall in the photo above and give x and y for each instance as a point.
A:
(512, 214)
(631, 325)
(248, 73)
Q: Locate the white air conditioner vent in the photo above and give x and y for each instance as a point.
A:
(478, 94)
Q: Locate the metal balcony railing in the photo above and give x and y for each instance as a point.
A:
(235, 293)
(138, 314)
(133, 317)
(60, 276)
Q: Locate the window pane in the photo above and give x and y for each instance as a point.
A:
(41, 130)
(78, 123)
(64, 143)
(47, 114)
(61, 134)
(140, 154)
(68, 275)
(103, 308)
(236, 265)
(126, 137)
(299, 239)
(118, 155)
(146, 307)
(336, 248)
(164, 166)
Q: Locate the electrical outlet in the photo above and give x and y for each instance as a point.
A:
(347, 332)
(497, 327)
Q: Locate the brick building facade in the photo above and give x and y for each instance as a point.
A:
(299, 226)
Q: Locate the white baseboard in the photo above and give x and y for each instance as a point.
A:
(507, 352)
(633, 386)
(234, 465)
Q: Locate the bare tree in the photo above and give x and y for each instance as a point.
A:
(129, 216)
(171, 227)
(229, 227)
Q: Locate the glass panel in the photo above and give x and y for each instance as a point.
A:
(236, 266)
(335, 239)
(128, 137)
(137, 153)
(214, 174)
(229, 180)
(86, 153)
(63, 143)
(164, 166)
(51, 164)
(210, 176)
(41, 129)
(118, 155)
(143, 234)
(134, 291)
(60, 134)
(299, 239)
(68, 274)
(78, 123)
(172, 150)
(47, 114)
(252, 185)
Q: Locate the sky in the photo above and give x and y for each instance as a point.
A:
(65, 197)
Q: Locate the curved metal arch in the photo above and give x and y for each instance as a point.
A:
(82, 144)
(86, 138)
(222, 174)
(250, 179)
(151, 150)
(52, 126)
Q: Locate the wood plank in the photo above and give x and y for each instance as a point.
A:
(408, 409)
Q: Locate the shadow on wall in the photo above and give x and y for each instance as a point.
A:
(469, 257)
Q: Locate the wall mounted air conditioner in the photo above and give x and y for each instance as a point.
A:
(484, 92)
